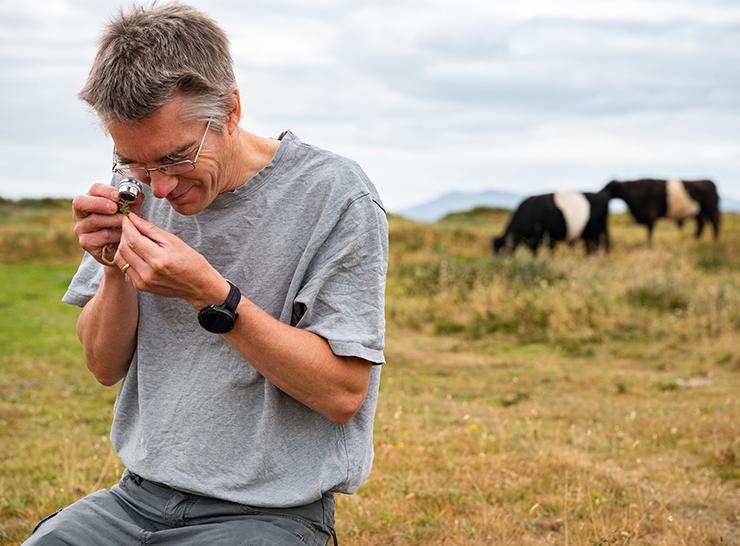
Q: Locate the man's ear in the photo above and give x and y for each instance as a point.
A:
(232, 120)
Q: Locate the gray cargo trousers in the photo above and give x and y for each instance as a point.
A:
(140, 512)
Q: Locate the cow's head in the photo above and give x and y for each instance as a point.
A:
(499, 244)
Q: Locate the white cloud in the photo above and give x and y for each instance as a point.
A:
(428, 95)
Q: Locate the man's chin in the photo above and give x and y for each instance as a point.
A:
(185, 203)
(186, 209)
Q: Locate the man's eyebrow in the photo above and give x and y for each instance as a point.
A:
(123, 159)
(180, 152)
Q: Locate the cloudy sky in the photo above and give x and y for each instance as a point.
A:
(429, 96)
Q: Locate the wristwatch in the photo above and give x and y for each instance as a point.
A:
(220, 319)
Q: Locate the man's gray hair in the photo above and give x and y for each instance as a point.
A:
(148, 56)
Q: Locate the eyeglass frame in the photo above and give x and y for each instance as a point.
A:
(124, 169)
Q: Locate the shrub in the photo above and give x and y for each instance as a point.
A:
(711, 256)
(525, 270)
(659, 296)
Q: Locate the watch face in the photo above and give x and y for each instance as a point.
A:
(216, 320)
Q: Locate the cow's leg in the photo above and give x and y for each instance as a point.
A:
(534, 245)
(592, 245)
(699, 226)
(650, 233)
(715, 224)
(595, 244)
(607, 242)
(589, 245)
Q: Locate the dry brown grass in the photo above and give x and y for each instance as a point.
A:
(570, 400)
(477, 445)
(574, 400)
(37, 231)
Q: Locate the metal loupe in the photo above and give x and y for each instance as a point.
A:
(128, 190)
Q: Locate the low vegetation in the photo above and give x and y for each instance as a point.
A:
(526, 400)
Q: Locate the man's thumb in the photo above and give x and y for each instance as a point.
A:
(148, 229)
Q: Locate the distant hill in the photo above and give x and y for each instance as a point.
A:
(439, 207)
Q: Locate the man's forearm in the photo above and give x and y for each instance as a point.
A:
(107, 328)
(301, 363)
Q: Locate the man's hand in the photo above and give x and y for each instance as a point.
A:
(163, 264)
(97, 223)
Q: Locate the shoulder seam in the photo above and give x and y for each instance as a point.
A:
(365, 194)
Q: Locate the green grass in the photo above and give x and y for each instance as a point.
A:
(549, 400)
(54, 417)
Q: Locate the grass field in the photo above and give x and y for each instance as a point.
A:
(553, 400)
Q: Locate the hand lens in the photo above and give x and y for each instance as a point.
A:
(128, 190)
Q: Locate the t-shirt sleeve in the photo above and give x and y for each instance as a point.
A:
(343, 294)
(85, 283)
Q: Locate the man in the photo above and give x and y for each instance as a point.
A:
(245, 403)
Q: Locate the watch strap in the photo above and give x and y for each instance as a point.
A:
(232, 300)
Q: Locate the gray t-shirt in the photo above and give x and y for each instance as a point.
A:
(306, 239)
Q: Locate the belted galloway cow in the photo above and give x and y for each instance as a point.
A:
(553, 217)
(650, 198)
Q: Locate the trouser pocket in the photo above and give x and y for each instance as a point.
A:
(306, 529)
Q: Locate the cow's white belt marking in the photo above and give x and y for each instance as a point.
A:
(680, 203)
(576, 210)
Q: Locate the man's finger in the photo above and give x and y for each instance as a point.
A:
(136, 265)
(96, 240)
(148, 229)
(104, 190)
(96, 222)
(85, 205)
(138, 242)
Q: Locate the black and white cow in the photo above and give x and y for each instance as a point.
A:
(650, 198)
(552, 217)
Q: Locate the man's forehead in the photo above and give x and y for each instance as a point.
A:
(140, 145)
(165, 132)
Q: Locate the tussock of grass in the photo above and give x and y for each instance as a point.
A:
(711, 256)
(659, 296)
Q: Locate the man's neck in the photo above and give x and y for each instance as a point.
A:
(251, 154)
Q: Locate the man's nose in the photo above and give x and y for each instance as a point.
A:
(161, 184)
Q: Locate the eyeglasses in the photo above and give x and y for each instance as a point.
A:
(140, 172)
